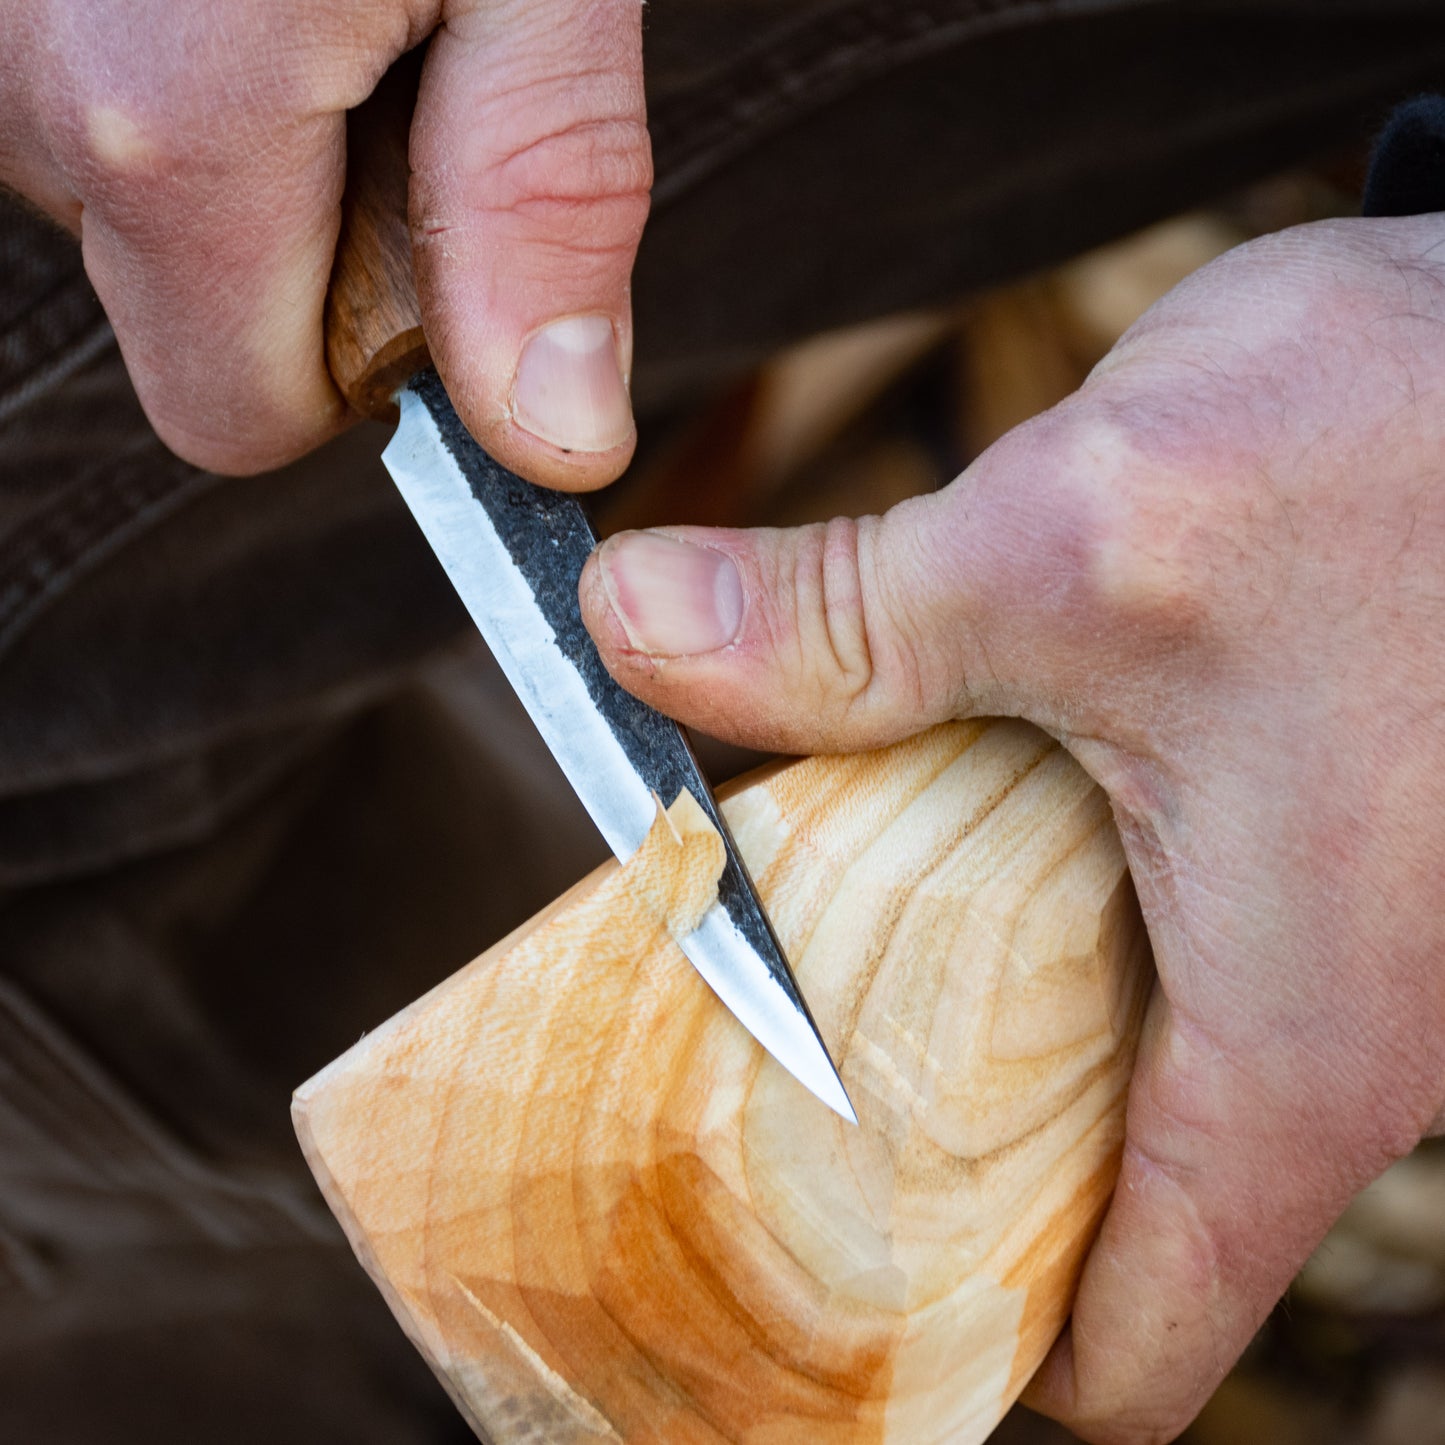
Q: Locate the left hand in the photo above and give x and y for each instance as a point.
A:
(1217, 573)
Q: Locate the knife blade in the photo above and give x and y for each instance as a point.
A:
(514, 552)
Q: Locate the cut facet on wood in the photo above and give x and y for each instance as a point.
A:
(602, 1213)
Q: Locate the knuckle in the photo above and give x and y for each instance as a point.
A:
(843, 610)
(106, 144)
(1094, 566)
(586, 186)
(828, 625)
(114, 140)
(1151, 545)
(858, 667)
(586, 160)
(140, 117)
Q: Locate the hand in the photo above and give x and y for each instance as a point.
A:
(199, 152)
(1217, 573)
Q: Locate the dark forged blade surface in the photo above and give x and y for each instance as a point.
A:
(514, 552)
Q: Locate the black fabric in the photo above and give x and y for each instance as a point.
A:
(1407, 167)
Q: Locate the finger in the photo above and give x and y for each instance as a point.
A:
(787, 640)
(1234, 1170)
(208, 231)
(850, 634)
(531, 173)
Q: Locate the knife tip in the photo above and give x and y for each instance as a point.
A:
(843, 1107)
(822, 1081)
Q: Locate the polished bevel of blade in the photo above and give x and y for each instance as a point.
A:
(504, 604)
(775, 1017)
(514, 553)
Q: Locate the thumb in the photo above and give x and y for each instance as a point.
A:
(531, 171)
(854, 633)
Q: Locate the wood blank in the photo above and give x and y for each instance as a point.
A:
(603, 1214)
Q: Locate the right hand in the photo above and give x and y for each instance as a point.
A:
(199, 153)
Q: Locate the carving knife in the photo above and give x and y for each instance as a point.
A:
(514, 553)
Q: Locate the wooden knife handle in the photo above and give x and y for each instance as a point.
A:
(374, 341)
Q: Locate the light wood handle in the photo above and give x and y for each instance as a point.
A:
(374, 341)
(604, 1215)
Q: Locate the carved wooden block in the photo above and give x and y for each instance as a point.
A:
(603, 1214)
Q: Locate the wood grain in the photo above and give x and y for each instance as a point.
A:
(603, 1214)
(374, 341)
